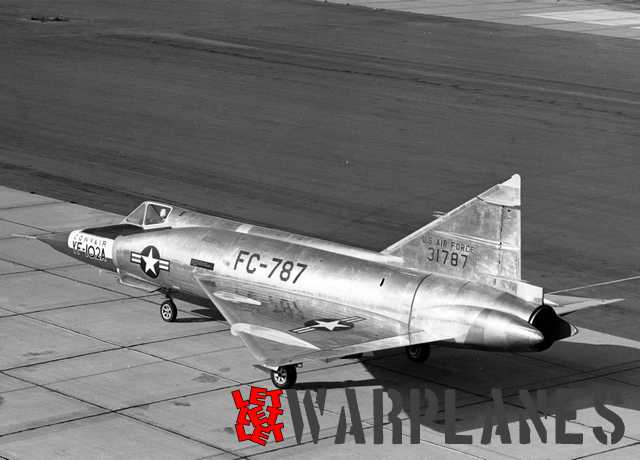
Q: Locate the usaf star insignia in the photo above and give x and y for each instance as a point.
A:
(330, 325)
(150, 261)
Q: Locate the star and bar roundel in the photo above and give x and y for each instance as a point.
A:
(150, 261)
(325, 324)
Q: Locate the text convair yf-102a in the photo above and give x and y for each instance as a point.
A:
(292, 298)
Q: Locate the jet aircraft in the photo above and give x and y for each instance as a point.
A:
(293, 298)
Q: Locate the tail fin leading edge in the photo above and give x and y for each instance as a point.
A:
(479, 240)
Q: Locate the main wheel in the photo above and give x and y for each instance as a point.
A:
(284, 377)
(418, 353)
(168, 311)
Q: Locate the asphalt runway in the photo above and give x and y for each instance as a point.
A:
(340, 122)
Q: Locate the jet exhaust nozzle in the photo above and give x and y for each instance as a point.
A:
(552, 327)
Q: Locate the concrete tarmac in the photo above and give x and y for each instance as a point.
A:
(600, 17)
(88, 369)
(340, 122)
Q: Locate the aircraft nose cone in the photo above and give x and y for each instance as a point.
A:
(58, 241)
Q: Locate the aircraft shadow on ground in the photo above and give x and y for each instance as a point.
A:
(568, 386)
(573, 372)
(199, 306)
(195, 320)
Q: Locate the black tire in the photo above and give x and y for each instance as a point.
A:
(284, 377)
(418, 353)
(168, 311)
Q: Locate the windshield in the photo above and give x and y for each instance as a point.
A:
(148, 214)
(156, 214)
(137, 215)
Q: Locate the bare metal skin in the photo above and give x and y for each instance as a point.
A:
(292, 298)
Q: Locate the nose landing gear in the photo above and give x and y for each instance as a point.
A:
(168, 310)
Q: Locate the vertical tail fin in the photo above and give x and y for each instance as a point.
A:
(479, 240)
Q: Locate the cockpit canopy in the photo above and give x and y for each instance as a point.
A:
(149, 214)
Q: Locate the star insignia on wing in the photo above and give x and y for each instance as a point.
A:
(326, 324)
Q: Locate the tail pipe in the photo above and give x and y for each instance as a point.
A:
(553, 328)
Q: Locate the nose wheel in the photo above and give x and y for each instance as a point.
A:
(284, 377)
(168, 311)
(418, 353)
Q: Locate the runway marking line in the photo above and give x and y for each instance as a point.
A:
(604, 283)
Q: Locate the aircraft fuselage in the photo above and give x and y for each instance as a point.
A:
(167, 259)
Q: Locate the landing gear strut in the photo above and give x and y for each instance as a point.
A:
(284, 377)
(418, 353)
(168, 310)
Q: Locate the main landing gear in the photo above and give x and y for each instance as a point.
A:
(418, 353)
(168, 310)
(284, 377)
